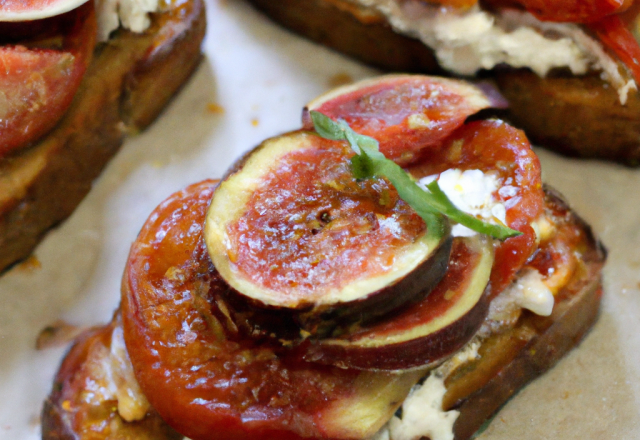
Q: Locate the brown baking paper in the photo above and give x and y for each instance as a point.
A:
(252, 84)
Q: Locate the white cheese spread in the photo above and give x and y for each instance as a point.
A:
(472, 191)
(528, 292)
(131, 14)
(422, 414)
(465, 41)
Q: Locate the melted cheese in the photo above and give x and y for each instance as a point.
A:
(131, 14)
(422, 414)
(122, 384)
(466, 41)
(529, 292)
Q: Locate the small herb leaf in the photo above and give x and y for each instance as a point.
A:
(432, 205)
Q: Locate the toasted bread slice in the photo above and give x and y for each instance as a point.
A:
(578, 116)
(509, 357)
(130, 80)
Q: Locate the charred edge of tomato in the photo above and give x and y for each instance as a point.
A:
(56, 421)
(408, 354)
(557, 203)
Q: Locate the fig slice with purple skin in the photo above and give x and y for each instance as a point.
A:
(26, 10)
(292, 231)
(423, 333)
(405, 113)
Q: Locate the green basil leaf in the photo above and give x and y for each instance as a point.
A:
(431, 205)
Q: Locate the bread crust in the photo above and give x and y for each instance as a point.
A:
(509, 359)
(130, 80)
(579, 116)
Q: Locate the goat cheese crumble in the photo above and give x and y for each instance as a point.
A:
(131, 14)
(422, 414)
(472, 191)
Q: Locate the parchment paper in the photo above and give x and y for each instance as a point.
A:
(252, 84)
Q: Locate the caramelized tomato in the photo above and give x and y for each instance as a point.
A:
(493, 146)
(569, 11)
(312, 223)
(39, 81)
(615, 34)
(204, 382)
(83, 404)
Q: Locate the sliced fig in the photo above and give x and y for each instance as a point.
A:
(405, 113)
(425, 332)
(21, 10)
(209, 385)
(293, 230)
(40, 78)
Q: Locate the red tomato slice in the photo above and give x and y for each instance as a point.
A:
(565, 11)
(573, 11)
(38, 85)
(404, 113)
(615, 34)
(207, 383)
(496, 146)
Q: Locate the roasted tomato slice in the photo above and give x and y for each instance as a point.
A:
(23, 10)
(615, 34)
(39, 82)
(208, 383)
(493, 146)
(567, 11)
(405, 113)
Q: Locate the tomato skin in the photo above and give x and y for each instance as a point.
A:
(615, 34)
(573, 11)
(563, 11)
(202, 379)
(38, 85)
(496, 146)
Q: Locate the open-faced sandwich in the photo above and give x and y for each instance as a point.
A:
(568, 68)
(322, 291)
(78, 76)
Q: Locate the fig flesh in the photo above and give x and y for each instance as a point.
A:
(426, 332)
(210, 385)
(293, 230)
(20, 10)
(405, 113)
